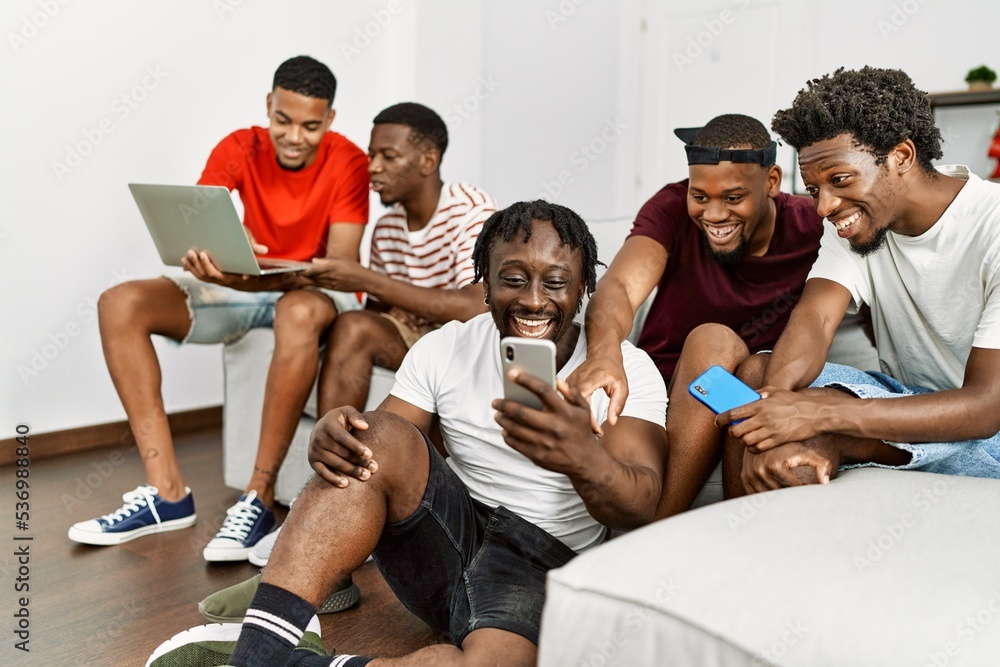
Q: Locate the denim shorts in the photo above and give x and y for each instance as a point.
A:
(971, 458)
(460, 565)
(222, 315)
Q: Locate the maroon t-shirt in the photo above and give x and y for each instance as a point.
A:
(753, 298)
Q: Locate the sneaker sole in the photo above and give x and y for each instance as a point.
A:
(341, 600)
(216, 632)
(337, 602)
(109, 539)
(225, 554)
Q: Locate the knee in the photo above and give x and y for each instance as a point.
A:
(717, 340)
(120, 305)
(387, 430)
(302, 313)
(361, 333)
(752, 370)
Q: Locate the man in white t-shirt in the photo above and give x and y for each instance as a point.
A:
(465, 543)
(923, 250)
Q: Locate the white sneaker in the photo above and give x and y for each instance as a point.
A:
(262, 550)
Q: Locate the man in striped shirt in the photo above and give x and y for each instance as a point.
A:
(421, 270)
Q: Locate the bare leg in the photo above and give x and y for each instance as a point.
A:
(330, 532)
(358, 341)
(128, 314)
(695, 441)
(751, 372)
(300, 318)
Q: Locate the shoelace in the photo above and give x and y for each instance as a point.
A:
(135, 500)
(240, 519)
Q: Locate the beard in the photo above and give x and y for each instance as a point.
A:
(874, 244)
(729, 257)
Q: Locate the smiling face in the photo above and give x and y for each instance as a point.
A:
(397, 166)
(733, 205)
(298, 124)
(536, 288)
(850, 190)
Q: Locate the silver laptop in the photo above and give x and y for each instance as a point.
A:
(181, 217)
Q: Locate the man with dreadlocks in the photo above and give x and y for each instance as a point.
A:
(464, 543)
(728, 254)
(923, 250)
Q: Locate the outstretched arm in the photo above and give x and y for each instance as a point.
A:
(618, 475)
(800, 352)
(634, 272)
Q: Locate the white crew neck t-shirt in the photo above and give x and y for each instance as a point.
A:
(933, 297)
(455, 372)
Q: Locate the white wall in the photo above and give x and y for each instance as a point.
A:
(542, 97)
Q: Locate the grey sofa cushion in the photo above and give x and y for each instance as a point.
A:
(880, 567)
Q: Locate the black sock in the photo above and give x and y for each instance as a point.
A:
(273, 626)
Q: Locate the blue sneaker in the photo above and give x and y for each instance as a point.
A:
(143, 513)
(247, 522)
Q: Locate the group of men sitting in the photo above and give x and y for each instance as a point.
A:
(464, 499)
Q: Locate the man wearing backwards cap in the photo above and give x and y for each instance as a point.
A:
(729, 253)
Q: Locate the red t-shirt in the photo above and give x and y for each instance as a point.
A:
(753, 298)
(290, 211)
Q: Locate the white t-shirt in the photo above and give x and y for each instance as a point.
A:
(933, 297)
(455, 373)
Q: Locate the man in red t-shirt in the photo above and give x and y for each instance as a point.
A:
(729, 254)
(305, 195)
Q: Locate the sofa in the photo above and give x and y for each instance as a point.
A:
(879, 568)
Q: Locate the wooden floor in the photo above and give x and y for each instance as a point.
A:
(112, 606)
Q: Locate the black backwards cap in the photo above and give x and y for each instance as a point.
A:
(714, 155)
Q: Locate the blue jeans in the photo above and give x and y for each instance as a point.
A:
(460, 565)
(223, 315)
(971, 458)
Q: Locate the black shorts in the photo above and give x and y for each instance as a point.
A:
(460, 565)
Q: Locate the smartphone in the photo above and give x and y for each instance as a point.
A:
(531, 355)
(720, 390)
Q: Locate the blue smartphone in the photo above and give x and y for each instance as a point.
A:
(720, 390)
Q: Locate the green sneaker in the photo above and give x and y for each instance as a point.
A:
(212, 645)
(230, 604)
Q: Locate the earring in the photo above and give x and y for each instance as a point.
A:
(486, 300)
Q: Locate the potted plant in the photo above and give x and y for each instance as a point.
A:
(981, 78)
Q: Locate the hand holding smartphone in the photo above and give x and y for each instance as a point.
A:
(531, 355)
(720, 390)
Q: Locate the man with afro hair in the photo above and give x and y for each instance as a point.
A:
(922, 249)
